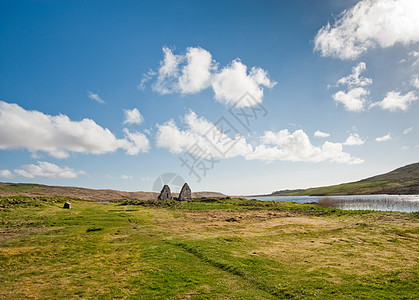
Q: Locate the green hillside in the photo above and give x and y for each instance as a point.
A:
(404, 180)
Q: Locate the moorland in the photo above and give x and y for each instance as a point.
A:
(209, 248)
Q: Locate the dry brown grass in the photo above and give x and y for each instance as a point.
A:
(87, 194)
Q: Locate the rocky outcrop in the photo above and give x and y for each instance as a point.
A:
(185, 193)
(165, 193)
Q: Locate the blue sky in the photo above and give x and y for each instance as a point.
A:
(113, 94)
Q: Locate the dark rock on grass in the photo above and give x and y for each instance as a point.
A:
(67, 205)
(165, 193)
(90, 229)
(185, 193)
(232, 220)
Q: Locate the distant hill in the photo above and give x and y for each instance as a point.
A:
(39, 190)
(404, 180)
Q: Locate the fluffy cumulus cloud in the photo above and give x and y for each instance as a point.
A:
(135, 142)
(198, 139)
(353, 100)
(384, 138)
(355, 96)
(354, 139)
(394, 101)
(95, 97)
(200, 135)
(321, 134)
(196, 74)
(196, 70)
(368, 24)
(296, 146)
(6, 174)
(233, 81)
(184, 74)
(46, 169)
(58, 135)
(133, 116)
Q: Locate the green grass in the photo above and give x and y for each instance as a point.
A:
(404, 180)
(205, 249)
(19, 187)
(354, 188)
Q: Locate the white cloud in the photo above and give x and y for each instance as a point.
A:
(233, 81)
(148, 131)
(319, 133)
(46, 169)
(387, 137)
(169, 136)
(123, 176)
(355, 79)
(415, 56)
(167, 73)
(6, 174)
(354, 139)
(58, 135)
(405, 147)
(353, 100)
(133, 116)
(95, 97)
(281, 145)
(196, 74)
(408, 130)
(146, 77)
(368, 24)
(185, 74)
(414, 81)
(394, 101)
(136, 142)
(296, 146)
(196, 70)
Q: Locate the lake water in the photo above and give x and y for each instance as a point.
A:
(402, 203)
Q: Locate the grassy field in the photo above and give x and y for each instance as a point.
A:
(205, 249)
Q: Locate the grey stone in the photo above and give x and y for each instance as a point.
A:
(185, 193)
(67, 205)
(165, 193)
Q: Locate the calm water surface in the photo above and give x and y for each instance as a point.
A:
(402, 203)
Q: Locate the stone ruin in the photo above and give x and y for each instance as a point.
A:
(165, 193)
(185, 193)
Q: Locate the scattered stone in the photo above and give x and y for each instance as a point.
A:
(232, 220)
(67, 205)
(165, 193)
(185, 193)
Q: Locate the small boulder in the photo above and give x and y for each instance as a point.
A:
(67, 205)
(185, 193)
(165, 193)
